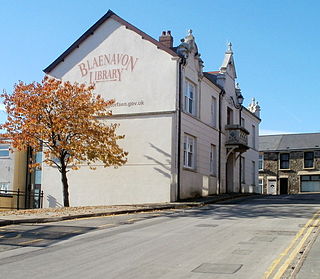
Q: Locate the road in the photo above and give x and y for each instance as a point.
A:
(247, 238)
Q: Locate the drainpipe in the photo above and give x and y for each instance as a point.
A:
(179, 133)
(240, 182)
(222, 92)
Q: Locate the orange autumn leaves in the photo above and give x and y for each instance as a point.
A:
(63, 120)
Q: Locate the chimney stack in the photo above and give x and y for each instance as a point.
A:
(166, 39)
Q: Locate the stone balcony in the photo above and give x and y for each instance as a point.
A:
(237, 138)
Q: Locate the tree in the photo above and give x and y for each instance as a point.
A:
(64, 121)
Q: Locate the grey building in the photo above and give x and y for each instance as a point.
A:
(290, 163)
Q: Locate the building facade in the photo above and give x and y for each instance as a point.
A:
(289, 164)
(186, 130)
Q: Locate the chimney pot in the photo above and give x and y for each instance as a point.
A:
(166, 39)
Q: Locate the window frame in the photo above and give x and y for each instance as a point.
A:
(213, 160)
(4, 149)
(261, 162)
(187, 98)
(284, 153)
(304, 160)
(213, 112)
(189, 141)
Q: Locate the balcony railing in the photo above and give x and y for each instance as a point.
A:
(237, 137)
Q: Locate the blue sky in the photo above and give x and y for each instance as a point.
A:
(275, 45)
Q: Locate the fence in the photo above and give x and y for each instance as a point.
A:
(21, 199)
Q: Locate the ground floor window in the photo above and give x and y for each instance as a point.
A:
(260, 185)
(4, 187)
(310, 183)
(189, 152)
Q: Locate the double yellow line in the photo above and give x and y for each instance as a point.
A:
(276, 270)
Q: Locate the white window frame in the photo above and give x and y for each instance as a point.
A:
(260, 184)
(189, 147)
(213, 160)
(4, 187)
(261, 161)
(304, 160)
(214, 112)
(190, 96)
(5, 147)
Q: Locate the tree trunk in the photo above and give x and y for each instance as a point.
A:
(65, 187)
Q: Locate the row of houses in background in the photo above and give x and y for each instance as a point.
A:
(186, 130)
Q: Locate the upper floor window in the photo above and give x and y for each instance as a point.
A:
(190, 98)
(214, 112)
(189, 152)
(253, 136)
(4, 150)
(308, 159)
(229, 116)
(284, 160)
(243, 122)
(261, 162)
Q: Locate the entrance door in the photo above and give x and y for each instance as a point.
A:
(272, 187)
(283, 186)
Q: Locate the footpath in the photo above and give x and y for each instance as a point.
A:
(66, 213)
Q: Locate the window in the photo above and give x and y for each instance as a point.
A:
(261, 162)
(213, 160)
(253, 173)
(4, 150)
(243, 167)
(253, 136)
(190, 98)
(261, 185)
(308, 159)
(4, 187)
(229, 116)
(213, 112)
(188, 151)
(284, 161)
(243, 122)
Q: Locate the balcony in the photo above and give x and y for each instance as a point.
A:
(237, 138)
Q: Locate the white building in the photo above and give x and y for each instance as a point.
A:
(181, 124)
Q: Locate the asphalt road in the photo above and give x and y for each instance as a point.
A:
(236, 239)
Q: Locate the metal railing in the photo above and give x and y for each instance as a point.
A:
(20, 199)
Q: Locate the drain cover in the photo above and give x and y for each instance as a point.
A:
(241, 252)
(217, 268)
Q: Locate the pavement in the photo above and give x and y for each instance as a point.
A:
(68, 213)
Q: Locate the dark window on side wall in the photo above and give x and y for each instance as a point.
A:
(284, 160)
(308, 159)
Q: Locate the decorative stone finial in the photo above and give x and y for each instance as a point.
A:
(229, 49)
(254, 107)
(237, 85)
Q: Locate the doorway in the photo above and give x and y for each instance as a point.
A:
(272, 187)
(283, 186)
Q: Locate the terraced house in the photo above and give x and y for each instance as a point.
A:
(186, 130)
(289, 164)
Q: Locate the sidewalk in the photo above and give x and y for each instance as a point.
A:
(67, 213)
(310, 268)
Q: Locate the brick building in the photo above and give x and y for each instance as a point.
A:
(289, 164)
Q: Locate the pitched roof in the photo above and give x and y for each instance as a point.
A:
(289, 142)
(90, 31)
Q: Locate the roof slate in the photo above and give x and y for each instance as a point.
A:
(289, 142)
